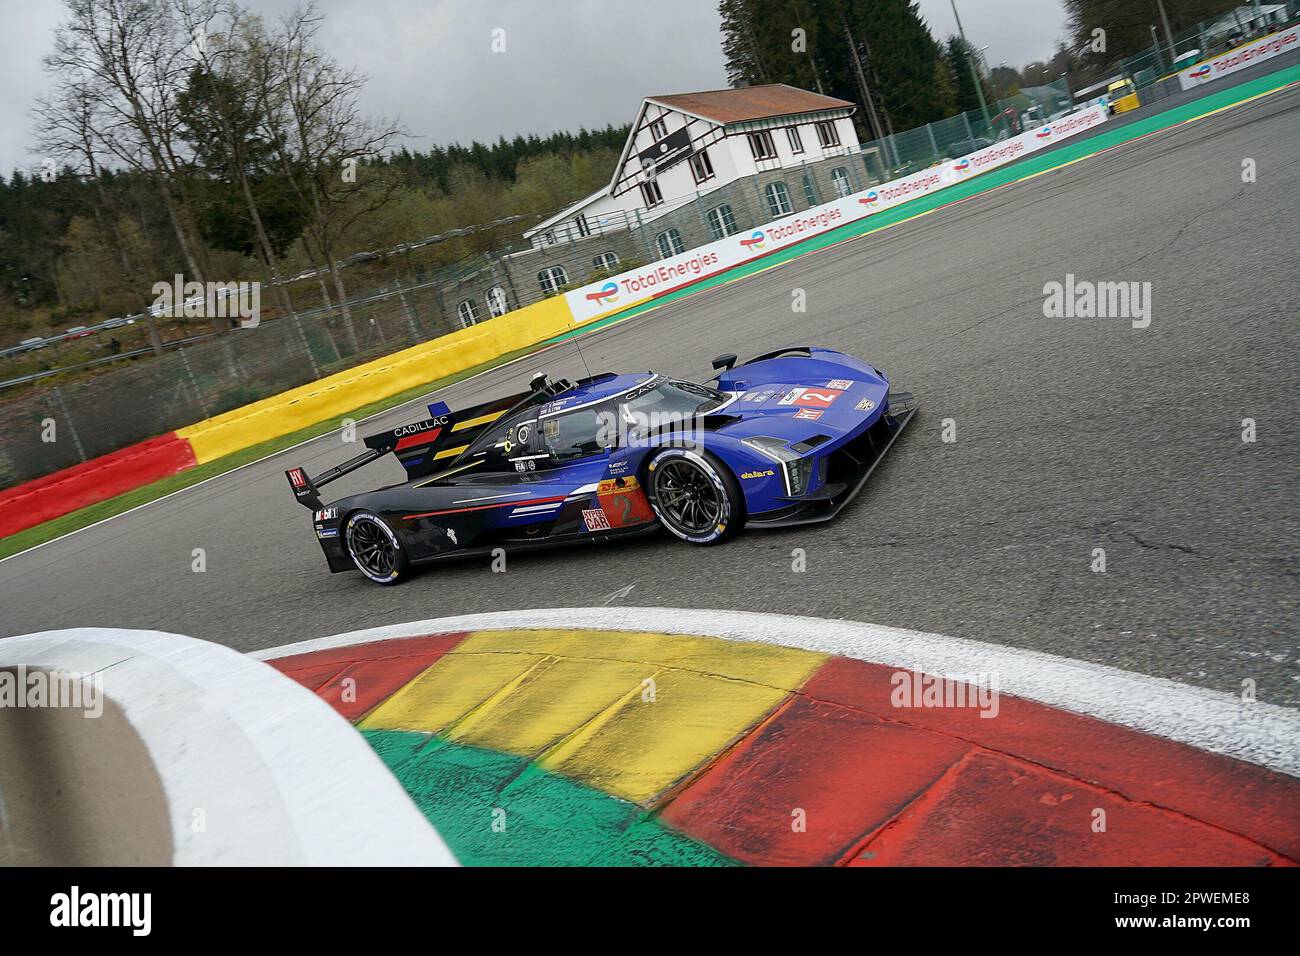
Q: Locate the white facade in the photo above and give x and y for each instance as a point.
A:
(718, 150)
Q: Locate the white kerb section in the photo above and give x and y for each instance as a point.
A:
(280, 778)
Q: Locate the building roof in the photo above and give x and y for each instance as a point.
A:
(572, 207)
(750, 103)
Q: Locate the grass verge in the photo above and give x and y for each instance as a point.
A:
(84, 517)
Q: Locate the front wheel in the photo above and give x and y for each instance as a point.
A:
(375, 549)
(695, 496)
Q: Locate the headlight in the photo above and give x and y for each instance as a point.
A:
(797, 473)
(794, 468)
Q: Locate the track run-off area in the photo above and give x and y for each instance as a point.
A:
(1071, 434)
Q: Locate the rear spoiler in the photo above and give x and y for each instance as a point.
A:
(423, 447)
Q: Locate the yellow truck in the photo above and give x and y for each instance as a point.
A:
(1122, 96)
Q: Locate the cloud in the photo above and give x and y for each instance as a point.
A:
(567, 63)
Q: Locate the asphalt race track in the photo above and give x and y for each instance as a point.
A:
(1072, 434)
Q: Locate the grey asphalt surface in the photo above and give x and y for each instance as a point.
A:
(1072, 434)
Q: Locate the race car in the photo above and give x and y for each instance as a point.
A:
(786, 438)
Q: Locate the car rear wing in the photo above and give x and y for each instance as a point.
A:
(422, 447)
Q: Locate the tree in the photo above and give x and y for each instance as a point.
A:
(1127, 24)
(878, 53)
(957, 54)
(311, 119)
(66, 123)
(222, 113)
(123, 62)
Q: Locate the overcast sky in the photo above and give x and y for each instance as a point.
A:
(567, 63)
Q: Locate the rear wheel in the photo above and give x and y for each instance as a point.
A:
(695, 496)
(375, 549)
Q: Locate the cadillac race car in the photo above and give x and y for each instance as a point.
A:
(785, 438)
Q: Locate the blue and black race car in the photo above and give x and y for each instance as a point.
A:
(785, 438)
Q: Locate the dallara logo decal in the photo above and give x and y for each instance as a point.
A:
(758, 474)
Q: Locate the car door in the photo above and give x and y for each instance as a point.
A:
(607, 496)
(515, 489)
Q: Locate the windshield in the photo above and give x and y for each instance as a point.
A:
(682, 398)
(666, 407)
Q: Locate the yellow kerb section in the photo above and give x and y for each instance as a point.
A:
(336, 395)
(628, 713)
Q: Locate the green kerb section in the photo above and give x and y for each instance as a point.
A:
(495, 809)
(1023, 169)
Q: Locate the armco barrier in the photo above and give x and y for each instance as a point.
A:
(99, 479)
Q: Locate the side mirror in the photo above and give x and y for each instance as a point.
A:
(538, 381)
(724, 362)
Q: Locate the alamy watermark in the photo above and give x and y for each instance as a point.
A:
(1083, 299)
(915, 688)
(209, 300)
(133, 911)
(22, 687)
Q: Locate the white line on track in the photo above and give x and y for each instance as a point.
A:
(305, 441)
(1261, 733)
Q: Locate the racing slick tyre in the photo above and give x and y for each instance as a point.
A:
(375, 549)
(695, 496)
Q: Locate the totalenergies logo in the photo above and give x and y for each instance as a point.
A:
(870, 199)
(605, 294)
(1201, 72)
(962, 166)
(754, 241)
(1045, 132)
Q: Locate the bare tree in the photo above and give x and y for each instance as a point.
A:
(129, 60)
(230, 63)
(66, 123)
(314, 123)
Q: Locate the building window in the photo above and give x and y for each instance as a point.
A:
(670, 243)
(581, 222)
(552, 278)
(827, 134)
(658, 129)
(796, 142)
(701, 166)
(468, 314)
(549, 237)
(778, 199)
(607, 261)
(651, 195)
(761, 145)
(840, 180)
(721, 222)
(809, 190)
(496, 301)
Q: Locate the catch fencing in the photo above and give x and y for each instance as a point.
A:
(47, 429)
